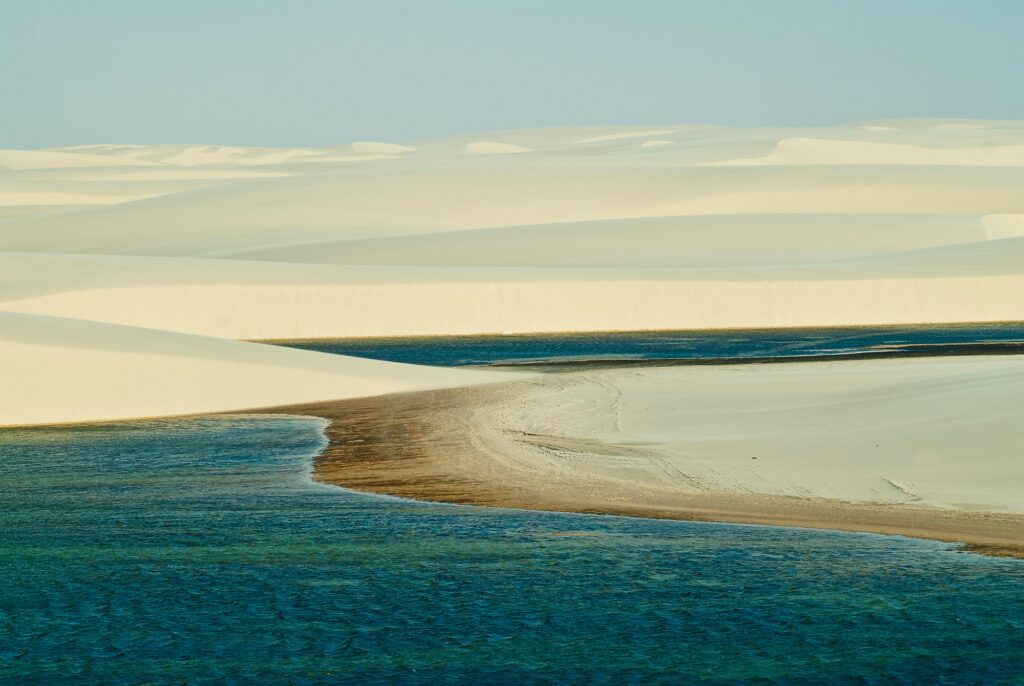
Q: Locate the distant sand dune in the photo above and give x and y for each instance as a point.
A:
(999, 226)
(625, 135)
(600, 227)
(823, 151)
(375, 148)
(705, 241)
(492, 148)
(254, 300)
(391, 199)
(47, 159)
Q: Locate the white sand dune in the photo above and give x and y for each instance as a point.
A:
(865, 223)
(625, 135)
(819, 151)
(493, 148)
(999, 226)
(44, 198)
(377, 148)
(936, 432)
(52, 159)
(98, 185)
(193, 155)
(65, 370)
(706, 241)
(980, 281)
(20, 211)
(391, 199)
(185, 174)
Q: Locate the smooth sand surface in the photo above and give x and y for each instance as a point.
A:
(258, 300)
(590, 228)
(927, 447)
(884, 431)
(56, 370)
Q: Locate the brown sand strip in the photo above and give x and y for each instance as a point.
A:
(423, 446)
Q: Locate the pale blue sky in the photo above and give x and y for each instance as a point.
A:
(317, 72)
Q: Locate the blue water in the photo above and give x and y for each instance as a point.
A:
(200, 552)
(678, 345)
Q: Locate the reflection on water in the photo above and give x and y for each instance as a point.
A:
(198, 551)
(682, 345)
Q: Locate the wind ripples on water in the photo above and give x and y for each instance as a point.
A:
(198, 551)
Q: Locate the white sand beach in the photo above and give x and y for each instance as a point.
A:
(927, 447)
(928, 432)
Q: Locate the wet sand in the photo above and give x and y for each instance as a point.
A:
(427, 446)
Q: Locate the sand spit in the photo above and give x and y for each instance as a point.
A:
(875, 447)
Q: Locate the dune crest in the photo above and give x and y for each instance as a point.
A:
(824, 151)
(625, 135)
(51, 159)
(376, 148)
(999, 226)
(493, 148)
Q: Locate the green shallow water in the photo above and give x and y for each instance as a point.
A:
(200, 552)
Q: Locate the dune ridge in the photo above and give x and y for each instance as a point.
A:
(822, 151)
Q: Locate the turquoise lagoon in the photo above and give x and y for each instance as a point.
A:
(199, 551)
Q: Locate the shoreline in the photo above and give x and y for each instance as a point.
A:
(906, 351)
(426, 446)
(897, 326)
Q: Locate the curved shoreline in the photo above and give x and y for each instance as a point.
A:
(426, 446)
